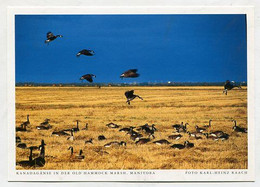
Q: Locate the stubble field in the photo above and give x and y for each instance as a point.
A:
(162, 106)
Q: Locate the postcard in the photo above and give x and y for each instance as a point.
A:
(131, 94)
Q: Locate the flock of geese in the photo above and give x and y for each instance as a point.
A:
(140, 135)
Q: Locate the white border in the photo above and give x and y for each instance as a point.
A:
(161, 175)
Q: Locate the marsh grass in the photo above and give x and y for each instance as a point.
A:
(162, 106)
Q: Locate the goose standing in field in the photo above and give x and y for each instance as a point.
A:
(86, 52)
(237, 128)
(40, 161)
(71, 150)
(194, 134)
(22, 128)
(27, 163)
(131, 96)
(217, 133)
(115, 144)
(177, 126)
(71, 138)
(126, 129)
(143, 127)
(80, 156)
(76, 129)
(86, 127)
(87, 77)
(224, 137)
(44, 127)
(209, 125)
(131, 73)
(199, 129)
(112, 125)
(135, 136)
(229, 85)
(51, 37)
(175, 136)
(27, 122)
(161, 142)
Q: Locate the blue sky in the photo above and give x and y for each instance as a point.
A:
(180, 48)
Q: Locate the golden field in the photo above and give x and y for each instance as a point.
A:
(162, 106)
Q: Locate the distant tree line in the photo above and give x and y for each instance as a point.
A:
(33, 84)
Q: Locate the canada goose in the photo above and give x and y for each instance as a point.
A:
(175, 136)
(131, 96)
(76, 129)
(42, 127)
(161, 142)
(71, 150)
(71, 138)
(237, 128)
(198, 137)
(199, 129)
(209, 125)
(46, 122)
(60, 133)
(143, 127)
(26, 122)
(224, 137)
(194, 134)
(153, 127)
(40, 161)
(51, 37)
(229, 85)
(132, 132)
(112, 125)
(177, 126)
(101, 137)
(17, 139)
(131, 73)
(80, 156)
(217, 133)
(22, 145)
(87, 77)
(178, 146)
(115, 144)
(86, 52)
(126, 129)
(90, 141)
(86, 127)
(188, 144)
(135, 136)
(27, 163)
(142, 141)
(21, 129)
(181, 130)
(215, 138)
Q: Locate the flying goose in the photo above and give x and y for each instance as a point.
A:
(87, 77)
(131, 96)
(161, 142)
(51, 37)
(237, 128)
(131, 73)
(86, 52)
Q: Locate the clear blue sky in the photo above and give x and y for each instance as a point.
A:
(181, 48)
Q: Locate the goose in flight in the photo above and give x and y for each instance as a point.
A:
(85, 52)
(131, 96)
(51, 37)
(87, 77)
(131, 73)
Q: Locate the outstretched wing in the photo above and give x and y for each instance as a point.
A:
(129, 94)
(49, 35)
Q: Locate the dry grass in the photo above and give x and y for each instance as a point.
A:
(162, 106)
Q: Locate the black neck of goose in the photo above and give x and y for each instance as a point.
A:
(209, 123)
(30, 157)
(235, 122)
(80, 152)
(71, 150)
(77, 124)
(27, 118)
